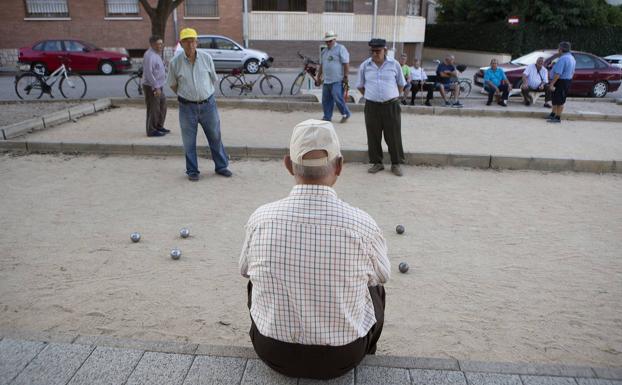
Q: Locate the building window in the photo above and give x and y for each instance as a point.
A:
(413, 8)
(339, 6)
(280, 5)
(47, 8)
(201, 8)
(121, 8)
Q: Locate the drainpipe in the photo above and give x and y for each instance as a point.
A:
(394, 27)
(373, 20)
(175, 26)
(245, 23)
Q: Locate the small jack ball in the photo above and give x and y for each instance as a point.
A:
(184, 232)
(135, 237)
(175, 253)
(403, 267)
(399, 229)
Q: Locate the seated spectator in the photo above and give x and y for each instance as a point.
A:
(419, 77)
(496, 84)
(406, 72)
(536, 79)
(446, 76)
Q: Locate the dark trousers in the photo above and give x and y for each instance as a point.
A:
(384, 118)
(156, 109)
(417, 86)
(505, 91)
(318, 361)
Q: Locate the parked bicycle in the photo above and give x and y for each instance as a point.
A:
(33, 84)
(235, 83)
(308, 73)
(134, 85)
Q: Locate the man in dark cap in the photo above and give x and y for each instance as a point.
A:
(382, 82)
(561, 77)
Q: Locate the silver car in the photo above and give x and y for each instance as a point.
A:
(227, 54)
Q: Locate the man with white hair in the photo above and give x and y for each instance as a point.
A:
(334, 68)
(316, 266)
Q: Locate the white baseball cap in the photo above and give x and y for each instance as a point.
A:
(330, 35)
(313, 135)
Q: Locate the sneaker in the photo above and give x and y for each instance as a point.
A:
(457, 105)
(404, 102)
(447, 104)
(427, 103)
(502, 104)
(375, 168)
(344, 118)
(224, 172)
(489, 102)
(550, 116)
(547, 105)
(396, 170)
(156, 133)
(556, 119)
(193, 177)
(164, 130)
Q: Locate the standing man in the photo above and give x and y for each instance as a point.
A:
(316, 266)
(496, 84)
(535, 79)
(154, 78)
(192, 77)
(334, 66)
(382, 82)
(561, 74)
(406, 73)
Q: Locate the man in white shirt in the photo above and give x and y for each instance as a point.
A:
(316, 267)
(535, 79)
(418, 80)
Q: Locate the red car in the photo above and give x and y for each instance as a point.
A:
(593, 75)
(76, 54)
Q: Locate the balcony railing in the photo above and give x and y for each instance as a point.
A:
(46, 8)
(121, 7)
(201, 8)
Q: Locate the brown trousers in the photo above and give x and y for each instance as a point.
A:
(318, 361)
(156, 109)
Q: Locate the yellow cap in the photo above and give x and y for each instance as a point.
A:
(187, 33)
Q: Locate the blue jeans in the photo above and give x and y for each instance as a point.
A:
(333, 94)
(206, 114)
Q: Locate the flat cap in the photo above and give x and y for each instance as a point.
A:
(377, 43)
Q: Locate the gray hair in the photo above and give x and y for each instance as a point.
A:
(314, 172)
(564, 46)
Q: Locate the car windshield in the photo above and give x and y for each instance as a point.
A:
(530, 58)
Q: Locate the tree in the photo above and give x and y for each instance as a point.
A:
(159, 14)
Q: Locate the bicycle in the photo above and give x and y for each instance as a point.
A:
(310, 69)
(33, 84)
(134, 85)
(234, 84)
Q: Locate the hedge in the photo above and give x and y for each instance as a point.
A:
(520, 40)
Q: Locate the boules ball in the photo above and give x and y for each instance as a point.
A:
(184, 232)
(175, 253)
(135, 237)
(399, 229)
(403, 267)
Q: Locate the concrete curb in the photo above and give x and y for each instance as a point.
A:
(481, 161)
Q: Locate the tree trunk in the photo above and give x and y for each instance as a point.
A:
(159, 14)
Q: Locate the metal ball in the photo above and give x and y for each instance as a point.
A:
(403, 267)
(400, 229)
(175, 253)
(135, 237)
(184, 232)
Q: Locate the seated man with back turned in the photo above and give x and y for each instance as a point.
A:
(446, 76)
(316, 267)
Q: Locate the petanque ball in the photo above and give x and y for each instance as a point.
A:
(399, 229)
(184, 232)
(135, 237)
(403, 267)
(175, 253)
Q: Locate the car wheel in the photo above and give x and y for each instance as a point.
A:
(106, 68)
(39, 68)
(252, 66)
(600, 89)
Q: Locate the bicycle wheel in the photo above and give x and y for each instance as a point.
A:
(28, 86)
(297, 85)
(465, 88)
(134, 87)
(271, 85)
(73, 86)
(231, 85)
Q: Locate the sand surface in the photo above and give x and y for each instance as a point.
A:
(505, 266)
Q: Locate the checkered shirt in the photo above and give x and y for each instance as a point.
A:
(311, 258)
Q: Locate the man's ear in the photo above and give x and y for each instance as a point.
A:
(339, 166)
(287, 161)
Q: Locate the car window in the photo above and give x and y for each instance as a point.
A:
(584, 61)
(39, 47)
(224, 44)
(530, 58)
(204, 42)
(600, 63)
(73, 46)
(52, 45)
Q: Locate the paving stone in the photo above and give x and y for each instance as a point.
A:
(595, 166)
(547, 380)
(527, 369)
(107, 366)
(610, 373)
(427, 159)
(374, 375)
(15, 355)
(267, 152)
(226, 351)
(208, 370)
(81, 110)
(548, 164)
(55, 118)
(102, 104)
(475, 161)
(353, 155)
(126, 343)
(38, 336)
(509, 163)
(56, 364)
(492, 379)
(44, 146)
(164, 149)
(597, 381)
(257, 372)
(161, 368)
(411, 362)
(437, 377)
(13, 145)
(23, 127)
(346, 379)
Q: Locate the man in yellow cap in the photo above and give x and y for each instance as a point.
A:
(192, 77)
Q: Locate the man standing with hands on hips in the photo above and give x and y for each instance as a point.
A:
(192, 77)
(561, 77)
(334, 65)
(154, 78)
(382, 82)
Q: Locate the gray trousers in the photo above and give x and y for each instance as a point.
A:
(156, 109)
(384, 118)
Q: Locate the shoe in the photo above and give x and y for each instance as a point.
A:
(502, 104)
(403, 102)
(527, 103)
(224, 172)
(156, 133)
(555, 120)
(547, 105)
(375, 168)
(164, 130)
(457, 105)
(505, 103)
(549, 116)
(489, 102)
(193, 177)
(427, 103)
(447, 103)
(412, 103)
(529, 100)
(396, 170)
(344, 118)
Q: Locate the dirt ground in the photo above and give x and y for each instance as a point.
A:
(505, 266)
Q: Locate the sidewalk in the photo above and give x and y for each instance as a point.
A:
(82, 360)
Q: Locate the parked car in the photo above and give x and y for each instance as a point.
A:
(593, 75)
(227, 54)
(614, 60)
(78, 55)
